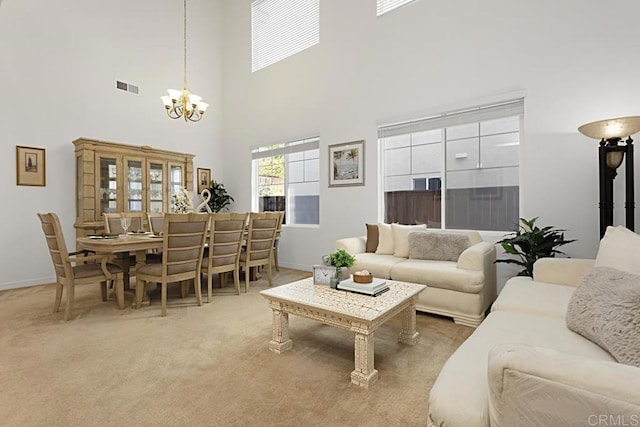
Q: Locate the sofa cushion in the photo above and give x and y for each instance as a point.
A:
(437, 274)
(459, 396)
(437, 246)
(619, 249)
(378, 265)
(372, 238)
(604, 309)
(401, 238)
(385, 239)
(525, 295)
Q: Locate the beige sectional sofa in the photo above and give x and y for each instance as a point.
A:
(523, 366)
(462, 289)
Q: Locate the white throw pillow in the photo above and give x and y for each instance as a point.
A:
(619, 249)
(385, 239)
(401, 238)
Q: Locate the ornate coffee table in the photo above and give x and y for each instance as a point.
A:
(361, 314)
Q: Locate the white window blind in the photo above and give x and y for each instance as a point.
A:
(281, 28)
(454, 118)
(385, 6)
(286, 148)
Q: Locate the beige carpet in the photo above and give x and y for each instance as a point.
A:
(203, 366)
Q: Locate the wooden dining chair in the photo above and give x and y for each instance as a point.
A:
(226, 233)
(182, 248)
(85, 271)
(259, 247)
(112, 222)
(276, 242)
(155, 221)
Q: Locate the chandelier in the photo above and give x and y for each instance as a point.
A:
(182, 103)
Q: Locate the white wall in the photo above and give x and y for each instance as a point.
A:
(58, 69)
(573, 59)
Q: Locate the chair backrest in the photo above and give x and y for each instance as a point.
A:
(226, 233)
(279, 224)
(57, 246)
(112, 221)
(183, 243)
(262, 233)
(156, 222)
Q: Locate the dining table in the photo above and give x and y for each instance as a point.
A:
(121, 246)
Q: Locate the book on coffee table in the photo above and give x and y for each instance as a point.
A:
(376, 287)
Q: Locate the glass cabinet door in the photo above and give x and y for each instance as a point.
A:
(156, 177)
(107, 175)
(176, 181)
(134, 185)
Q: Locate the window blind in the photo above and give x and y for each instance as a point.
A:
(281, 28)
(287, 148)
(454, 118)
(385, 6)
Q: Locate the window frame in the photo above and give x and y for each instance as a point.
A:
(517, 101)
(299, 146)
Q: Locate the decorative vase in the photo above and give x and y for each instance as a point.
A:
(333, 282)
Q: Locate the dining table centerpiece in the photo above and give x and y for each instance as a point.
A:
(182, 201)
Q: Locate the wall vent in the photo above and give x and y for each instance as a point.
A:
(127, 87)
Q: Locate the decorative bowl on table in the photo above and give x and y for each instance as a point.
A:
(362, 277)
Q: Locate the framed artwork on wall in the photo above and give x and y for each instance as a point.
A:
(204, 178)
(346, 164)
(31, 166)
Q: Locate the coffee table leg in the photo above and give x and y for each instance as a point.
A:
(364, 375)
(409, 335)
(280, 342)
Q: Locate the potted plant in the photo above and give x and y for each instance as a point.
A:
(531, 243)
(220, 199)
(341, 259)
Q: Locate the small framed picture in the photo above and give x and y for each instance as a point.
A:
(31, 166)
(346, 164)
(204, 178)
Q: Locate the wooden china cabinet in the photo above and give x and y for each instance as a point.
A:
(114, 177)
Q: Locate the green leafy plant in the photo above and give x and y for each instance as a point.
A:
(531, 243)
(340, 259)
(220, 199)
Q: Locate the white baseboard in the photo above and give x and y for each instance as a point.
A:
(26, 283)
(303, 267)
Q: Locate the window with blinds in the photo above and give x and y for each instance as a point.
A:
(458, 169)
(286, 177)
(385, 6)
(281, 28)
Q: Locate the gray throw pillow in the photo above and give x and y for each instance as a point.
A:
(437, 246)
(605, 309)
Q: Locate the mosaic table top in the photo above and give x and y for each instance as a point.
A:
(343, 302)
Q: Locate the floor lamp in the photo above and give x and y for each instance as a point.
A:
(611, 154)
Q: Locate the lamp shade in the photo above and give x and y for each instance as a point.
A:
(611, 128)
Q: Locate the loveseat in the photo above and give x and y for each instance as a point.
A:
(524, 367)
(462, 287)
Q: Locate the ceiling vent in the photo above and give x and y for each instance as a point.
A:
(127, 87)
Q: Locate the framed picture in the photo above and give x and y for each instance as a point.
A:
(30, 166)
(204, 178)
(346, 164)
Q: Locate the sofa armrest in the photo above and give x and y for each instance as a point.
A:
(478, 257)
(541, 386)
(561, 271)
(353, 245)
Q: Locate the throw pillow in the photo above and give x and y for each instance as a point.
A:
(385, 239)
(437, 246)
(372, 237)
(619, 249)
(401, 238)
(604, 309)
